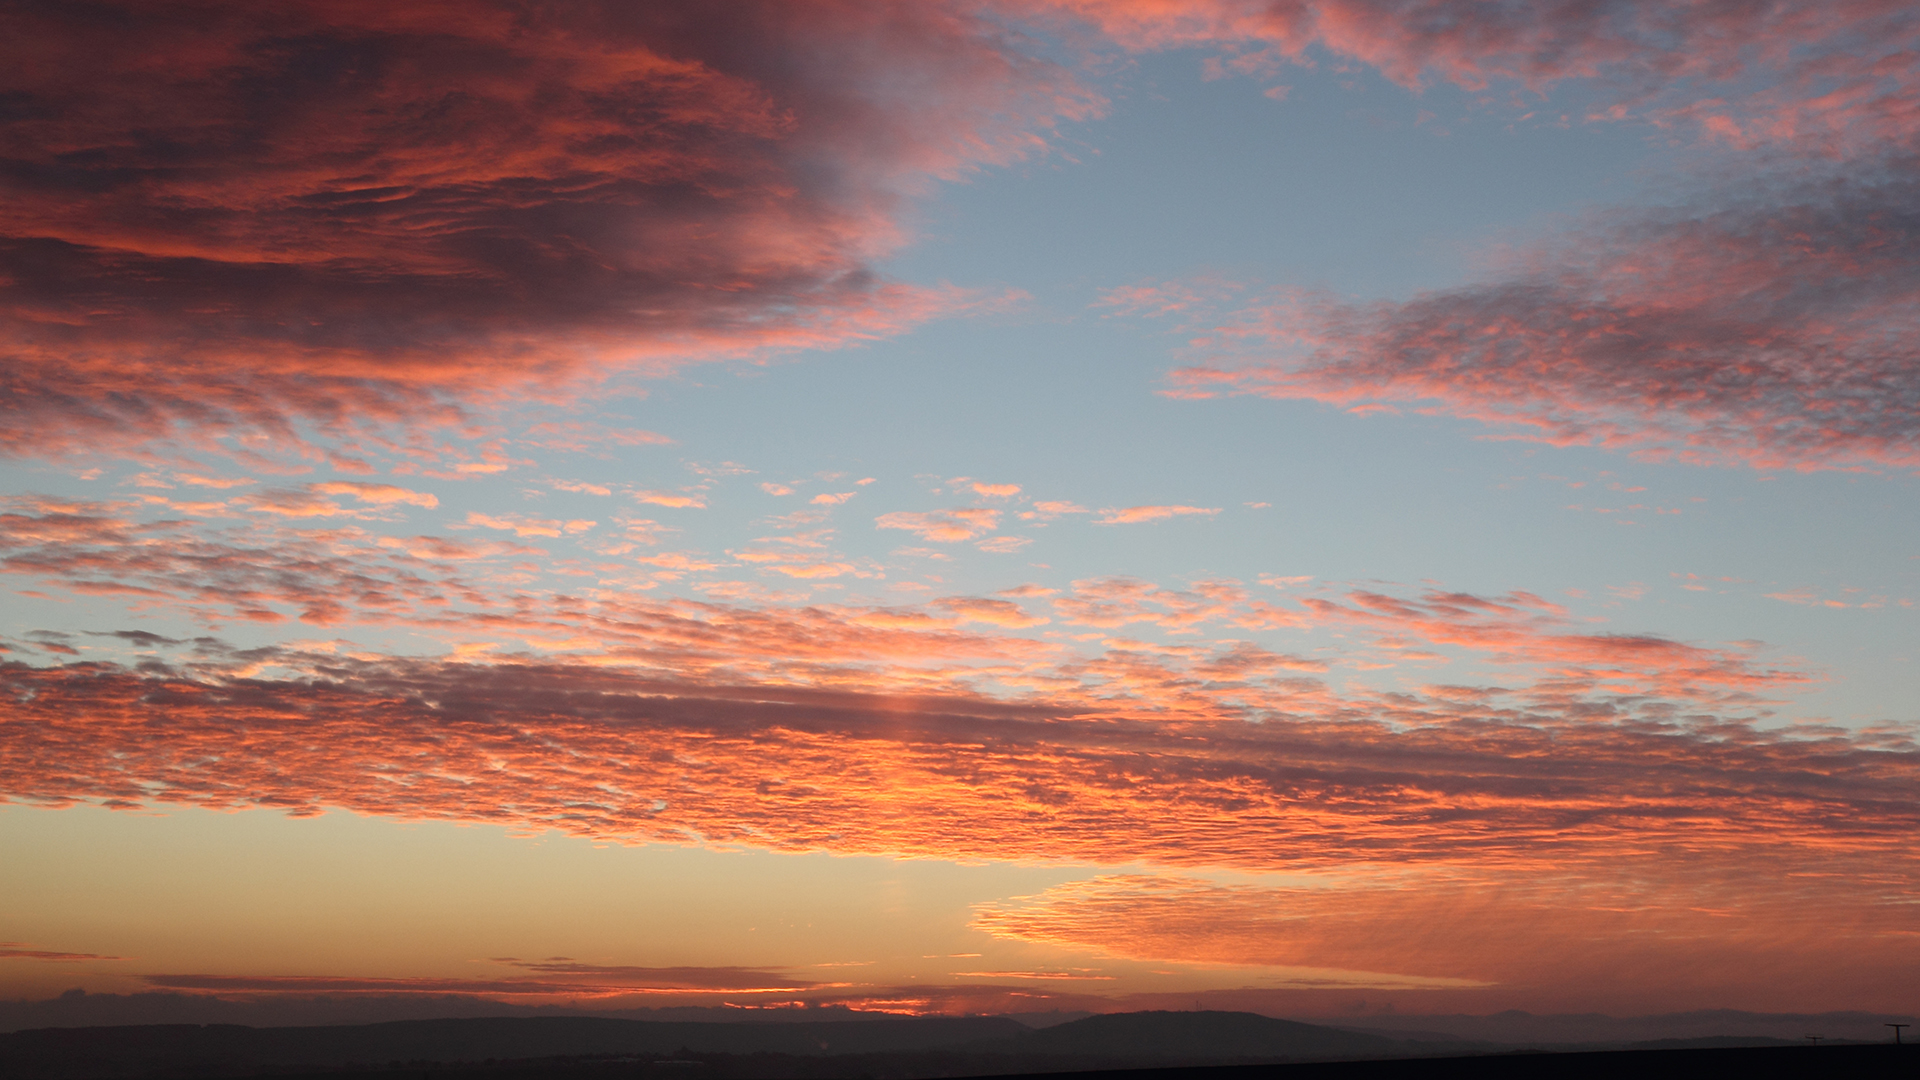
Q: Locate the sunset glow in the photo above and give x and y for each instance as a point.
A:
(1309, 507)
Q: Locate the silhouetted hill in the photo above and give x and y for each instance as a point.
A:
(228, 1050)
(1746, 1063)
(1199, 1036)
(1566, 1030)
(1052, 1018)
(916, 1048)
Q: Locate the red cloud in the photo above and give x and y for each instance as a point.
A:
(235, 219)
(1819, 77)
(1777, 333)
(229, 217)
(1777, 337)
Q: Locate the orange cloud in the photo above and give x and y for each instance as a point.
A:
(992, 612)
(1648, 930)
(378, 494)
(669, 499)
(1624, 787)
(1327, 784)
(212, 481)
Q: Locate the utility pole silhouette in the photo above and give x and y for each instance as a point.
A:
(1896, 1031)
(1815, 1039)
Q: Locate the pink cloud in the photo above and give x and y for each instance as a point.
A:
(442, 549)
(459, 590)
(609, 187)
(1776, 335)
(1117, 601)
(1819, 78)
(306, 501)
(522, 525)
(265, 277)
(1133, 515)
(943, 526)
(1047, 510)
(585, 437)
(1168, 298)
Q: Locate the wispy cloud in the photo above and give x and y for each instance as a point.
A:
(545, 979)
(19, 950)
(1718, 930)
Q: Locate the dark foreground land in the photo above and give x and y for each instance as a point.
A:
(1743, 1063)
(1135, 1046)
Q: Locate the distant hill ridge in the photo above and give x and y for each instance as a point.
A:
(1200, 1035)
(213, 1050)
(229, 1049)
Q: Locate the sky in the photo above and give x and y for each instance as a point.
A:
(1324, 508)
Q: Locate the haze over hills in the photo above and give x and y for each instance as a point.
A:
(79, 1009)
(960, 1045)
(1202, 1035)
(217, 1050)
(1517, 1027)
(899, 1047)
